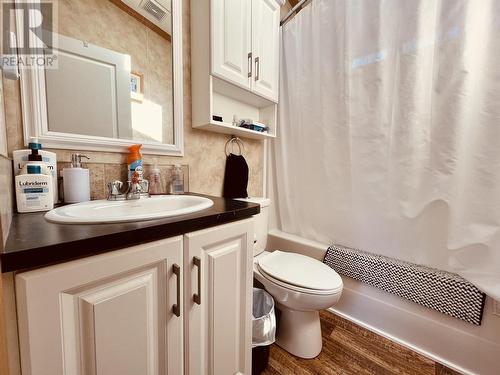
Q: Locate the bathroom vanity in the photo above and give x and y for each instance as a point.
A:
(166, 296)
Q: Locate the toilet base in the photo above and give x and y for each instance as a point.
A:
(300, 333)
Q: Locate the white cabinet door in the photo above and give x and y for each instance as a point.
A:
(265, 47)
(231, 40)
(218, 299)
(110, 314)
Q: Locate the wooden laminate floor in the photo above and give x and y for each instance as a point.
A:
(351, 349)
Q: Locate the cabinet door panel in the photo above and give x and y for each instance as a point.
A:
(117, 325)
(231, 40)
(218, 331)
(124, 348)
(265, 47)
(103, 315)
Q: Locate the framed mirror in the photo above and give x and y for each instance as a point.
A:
(117, 79)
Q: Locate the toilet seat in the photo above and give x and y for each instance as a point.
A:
(299, 273)
(295, 288)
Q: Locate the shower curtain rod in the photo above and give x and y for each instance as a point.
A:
(296, 9)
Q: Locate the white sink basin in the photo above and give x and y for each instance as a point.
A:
(103, 211)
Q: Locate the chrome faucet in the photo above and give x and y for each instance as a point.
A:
(136, 189)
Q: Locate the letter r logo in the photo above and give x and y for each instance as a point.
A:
(34, 27)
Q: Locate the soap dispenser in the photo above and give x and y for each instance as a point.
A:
(76, 181)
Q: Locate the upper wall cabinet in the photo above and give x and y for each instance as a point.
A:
(265, 47)
(245, 44)
(235, 64)
(231, 41)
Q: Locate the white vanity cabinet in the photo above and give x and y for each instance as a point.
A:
(107, 314)
(132, 311)
(218, 300)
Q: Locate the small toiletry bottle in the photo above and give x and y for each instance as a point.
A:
(34, 190)
(76, 181)
(134, 161)
(155, 181)
(177, 180)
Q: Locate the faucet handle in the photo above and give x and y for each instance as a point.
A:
(115, 188)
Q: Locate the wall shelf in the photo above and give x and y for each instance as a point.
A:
(219, 98)
(226, 128)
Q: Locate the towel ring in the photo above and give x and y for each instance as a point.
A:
(230, 142)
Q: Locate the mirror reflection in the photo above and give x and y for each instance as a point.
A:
(114, 73)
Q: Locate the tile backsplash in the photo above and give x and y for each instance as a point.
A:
(102, 173)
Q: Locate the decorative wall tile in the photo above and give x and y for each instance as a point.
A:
(115, 172)
(102, 173)
(97, 181)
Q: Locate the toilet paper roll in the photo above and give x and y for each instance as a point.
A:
(76, 183)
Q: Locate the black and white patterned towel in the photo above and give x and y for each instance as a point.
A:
(443, 291)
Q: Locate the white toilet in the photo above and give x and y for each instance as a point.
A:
(301, 287)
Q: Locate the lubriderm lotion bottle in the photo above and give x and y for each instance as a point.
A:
(34, 190)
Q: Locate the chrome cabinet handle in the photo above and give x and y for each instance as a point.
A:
(197, 296)
(249, 64)
(257, 68)
(176, 308)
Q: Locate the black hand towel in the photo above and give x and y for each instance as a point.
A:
(236, 177)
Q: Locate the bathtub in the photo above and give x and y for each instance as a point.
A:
(454, 343)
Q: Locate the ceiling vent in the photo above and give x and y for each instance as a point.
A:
(154, 9)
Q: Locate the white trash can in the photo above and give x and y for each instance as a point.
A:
(263, 329)
(263, 318)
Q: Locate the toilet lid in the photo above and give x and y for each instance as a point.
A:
(300, 270)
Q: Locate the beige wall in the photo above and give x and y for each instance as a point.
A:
(6, 185)
(285, 8)
(6, 207)
(6, 197)
(204, 151)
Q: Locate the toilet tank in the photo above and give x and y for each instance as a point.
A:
(261, 222)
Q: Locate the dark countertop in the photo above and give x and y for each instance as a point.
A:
(34, 242)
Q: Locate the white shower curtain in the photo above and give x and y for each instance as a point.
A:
(389, 137)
